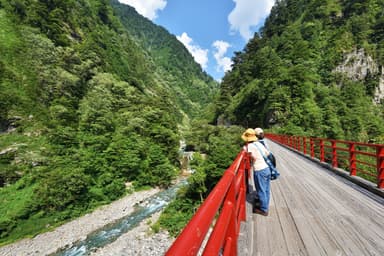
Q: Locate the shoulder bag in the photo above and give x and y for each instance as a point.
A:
(274, 172)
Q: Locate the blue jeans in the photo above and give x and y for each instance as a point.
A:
(262, 181)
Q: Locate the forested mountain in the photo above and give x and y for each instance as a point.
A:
(184, 77)
(315, 68)
(89, 103)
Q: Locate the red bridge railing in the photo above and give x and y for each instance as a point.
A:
(362, 159)
(227, 201)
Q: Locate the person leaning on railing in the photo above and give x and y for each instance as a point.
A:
(261, 138)
(261, 171)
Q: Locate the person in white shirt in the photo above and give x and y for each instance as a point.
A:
(261, 171)
(260, 137)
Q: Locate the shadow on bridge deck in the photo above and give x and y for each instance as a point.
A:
(313, 211)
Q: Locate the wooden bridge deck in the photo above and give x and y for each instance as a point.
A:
(313, 211)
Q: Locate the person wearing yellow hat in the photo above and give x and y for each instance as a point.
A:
(249, 135)
(261, 171)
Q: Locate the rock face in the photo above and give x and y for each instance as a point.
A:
(9, 125)
(379, 92)
(357, 65)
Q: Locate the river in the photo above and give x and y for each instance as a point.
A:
(111, 232)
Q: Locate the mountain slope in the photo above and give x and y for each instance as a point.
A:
(314, 69)
(192, 87)
(86, 114)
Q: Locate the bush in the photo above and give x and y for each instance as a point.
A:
(6, 226)
(176, 215)
(61, 188)
(111, 186)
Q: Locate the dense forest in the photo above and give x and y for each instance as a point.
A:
(315, 69)
(91, 108)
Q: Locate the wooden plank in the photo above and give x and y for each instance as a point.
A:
(332, 237)
(276, 241)
(351, 241)
(292, 240)
(302, 219)
(334, 195)
(315, 212)
(261, 246)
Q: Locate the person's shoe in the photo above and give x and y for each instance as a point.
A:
(258, 211)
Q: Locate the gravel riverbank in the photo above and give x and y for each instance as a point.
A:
(138, 241)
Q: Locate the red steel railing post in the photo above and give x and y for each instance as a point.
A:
(380, 166)
(241, 192)
(228, 216)
(321, 150)
(247, 164)
(247, 170)
(352, 159)
(241, 201)
(232, 229)
(298, 143)
(334, 153)
(312, 147)
(214, 244)
(314, 143)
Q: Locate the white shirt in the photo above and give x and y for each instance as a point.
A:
(258, 160)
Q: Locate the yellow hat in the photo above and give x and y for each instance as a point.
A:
(249, 135)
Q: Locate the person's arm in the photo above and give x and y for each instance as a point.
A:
(245, 147)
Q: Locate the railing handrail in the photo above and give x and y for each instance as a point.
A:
(228, 197)
(319, 147)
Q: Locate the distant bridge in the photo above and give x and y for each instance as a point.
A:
(315, 209)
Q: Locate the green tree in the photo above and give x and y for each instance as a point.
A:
(60, 188)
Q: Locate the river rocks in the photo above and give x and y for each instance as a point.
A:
(139, 241)
(76, 230)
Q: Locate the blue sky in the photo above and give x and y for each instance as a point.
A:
(212, 30)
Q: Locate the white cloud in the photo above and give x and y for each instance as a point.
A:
(248, 13)
(147, 8)
(200, 55)
(223, 63)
